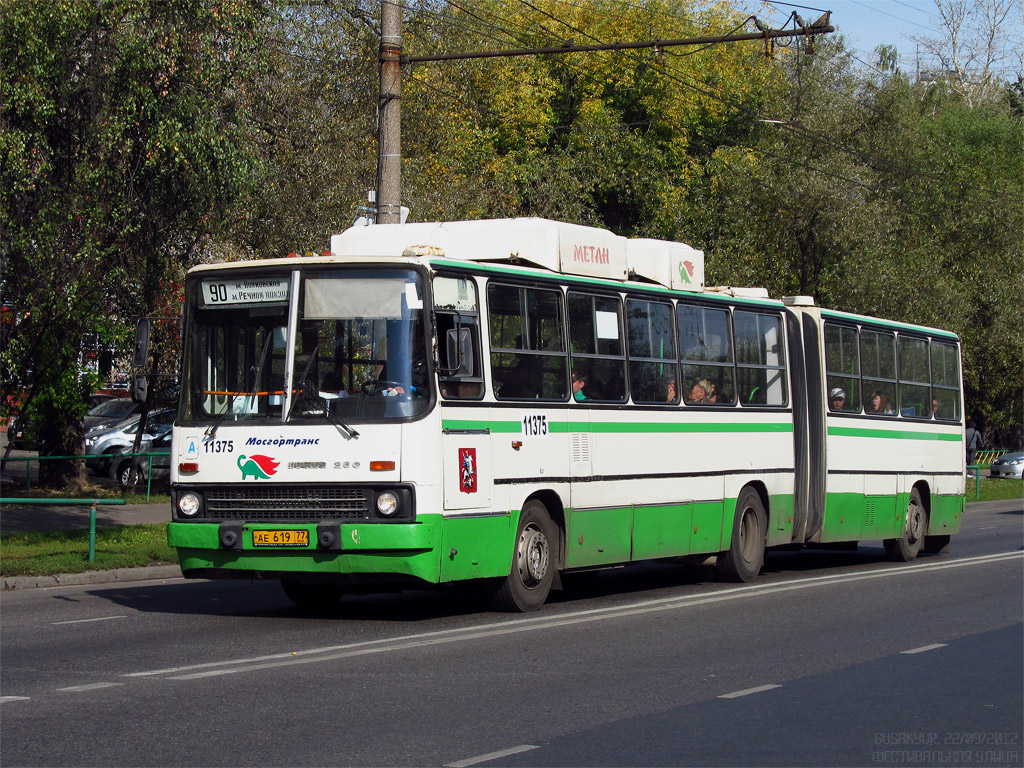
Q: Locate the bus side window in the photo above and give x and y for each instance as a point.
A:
(945, 381)
(760, 362)
(878, 361)
(652, 349)
(528, 356)
(459, 371)
(706, 351)
(842, 368)
(596, 346)
(913, 375)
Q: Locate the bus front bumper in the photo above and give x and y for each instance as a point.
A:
(262, 550)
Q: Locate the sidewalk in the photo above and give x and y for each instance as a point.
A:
(15, 519)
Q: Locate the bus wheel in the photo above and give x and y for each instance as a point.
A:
(745, 556)
(313, 596)
(905, 548)
(533, 563)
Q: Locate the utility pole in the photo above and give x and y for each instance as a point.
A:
(389, 141)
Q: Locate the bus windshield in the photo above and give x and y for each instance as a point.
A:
(356, 351)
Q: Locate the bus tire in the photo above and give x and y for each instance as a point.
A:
(533, 563)
(905, 548)
(312, 596)
(745, 556)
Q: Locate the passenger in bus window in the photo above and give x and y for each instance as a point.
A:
(579, 381)
(838, 398)
(667, 391)
(698, 393)
(879, 403)
(935, 409)
(711, 388)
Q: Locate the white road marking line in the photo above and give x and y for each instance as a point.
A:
(490, 756)
(5, 699)
(85, 621)
(924, 648)
(89, 687)
(441, 637)
(748, 691)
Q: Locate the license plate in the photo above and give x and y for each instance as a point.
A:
(292, 538)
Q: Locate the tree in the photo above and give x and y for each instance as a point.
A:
(885, 197)
(606, 138)
(978, 46)
(125, 140)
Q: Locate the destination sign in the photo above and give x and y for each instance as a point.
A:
(253, 290)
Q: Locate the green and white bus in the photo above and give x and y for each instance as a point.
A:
(515, 400)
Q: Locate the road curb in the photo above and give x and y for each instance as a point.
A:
(148, 573)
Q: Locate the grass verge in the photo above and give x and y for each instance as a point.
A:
(994, 489)
(45, 553)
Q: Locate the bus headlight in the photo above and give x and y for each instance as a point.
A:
(387, 503)
(189, 504)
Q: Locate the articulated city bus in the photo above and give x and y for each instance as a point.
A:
(511, 401)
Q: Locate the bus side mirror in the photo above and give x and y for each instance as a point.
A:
(139, 388)
(141, 354)
(460, 351)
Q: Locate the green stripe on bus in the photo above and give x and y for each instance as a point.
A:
(893, 434)
(516, 427)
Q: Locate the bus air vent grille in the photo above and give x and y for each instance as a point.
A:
(288, 504)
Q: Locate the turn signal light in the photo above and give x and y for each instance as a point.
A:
(188, 466)
(381, 466)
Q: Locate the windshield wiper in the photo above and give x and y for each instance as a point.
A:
(336, 421)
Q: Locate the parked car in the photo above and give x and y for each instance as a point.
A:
(101, 444)
(128, 476)
(1008, 465)
(109, 412)
(104, 410)
(19, 434)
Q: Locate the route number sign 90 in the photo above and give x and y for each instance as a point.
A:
(255, 290)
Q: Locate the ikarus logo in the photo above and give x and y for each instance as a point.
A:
(260, 467)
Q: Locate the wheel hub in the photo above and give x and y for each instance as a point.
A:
(533, 556)
(915, 523)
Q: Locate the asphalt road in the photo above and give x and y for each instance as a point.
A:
(828, 659)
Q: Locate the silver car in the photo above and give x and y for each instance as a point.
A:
(103, 442)
(1008, 465)
(127, 475)
(110, 412)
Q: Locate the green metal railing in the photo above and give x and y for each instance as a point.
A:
(78, 502)
(82, 457)
(987, 456)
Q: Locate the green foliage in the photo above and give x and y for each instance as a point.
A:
(140, 137)
(884, 197)
(125, 140)
(606, 138)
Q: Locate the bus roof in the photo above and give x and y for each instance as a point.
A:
(563, 248)
(834, 314)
